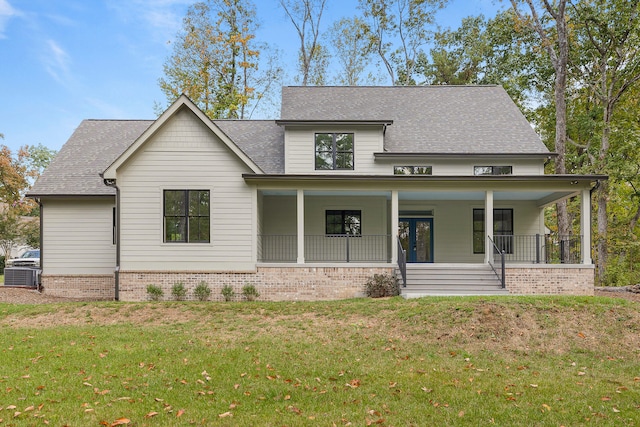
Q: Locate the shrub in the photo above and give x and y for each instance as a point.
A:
(250, 292)
(382, 285)
(227, 292)
(179, 291)
(154, 292)
(202, 291)
(1, 264)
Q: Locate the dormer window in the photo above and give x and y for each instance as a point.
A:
(492, 170)
(334, 151)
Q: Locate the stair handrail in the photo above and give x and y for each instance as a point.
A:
(402, 263)
(501, 275)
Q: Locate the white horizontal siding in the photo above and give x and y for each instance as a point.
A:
(466, 166)
(185, 155)
(78, 237)
(300, 149)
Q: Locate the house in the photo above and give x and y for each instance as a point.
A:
(442, 185)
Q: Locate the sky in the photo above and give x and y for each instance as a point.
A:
(63, 61)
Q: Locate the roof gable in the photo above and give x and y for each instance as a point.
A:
(182, 102)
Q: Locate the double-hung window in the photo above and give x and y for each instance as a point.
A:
(502, 230)
(186, 216)
(341, 222)
(334, 151)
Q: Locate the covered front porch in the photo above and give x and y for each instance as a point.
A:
(446, 222)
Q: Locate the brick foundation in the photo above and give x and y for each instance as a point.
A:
(550, 280)
(89, 287)
(273, 283)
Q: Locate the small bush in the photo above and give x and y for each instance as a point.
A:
(154, 292)
(250, 292)
(179, 291)
(1, 264)
(227, 292)
(202, 291)
(382, 285)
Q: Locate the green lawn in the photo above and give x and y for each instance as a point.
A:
(443, 361)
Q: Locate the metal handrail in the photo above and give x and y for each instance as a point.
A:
(402, 263)
(502, 274)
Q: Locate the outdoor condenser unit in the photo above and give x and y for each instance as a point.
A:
(21, 276)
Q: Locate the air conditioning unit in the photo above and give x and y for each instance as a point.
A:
(21, 276)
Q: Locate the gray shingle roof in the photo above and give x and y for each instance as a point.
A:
(96, 144)
(426, 119)
(93, 146)
(261, 140)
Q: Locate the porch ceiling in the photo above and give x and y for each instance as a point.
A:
(542, 198)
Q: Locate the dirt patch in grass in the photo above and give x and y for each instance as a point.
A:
(474, 325)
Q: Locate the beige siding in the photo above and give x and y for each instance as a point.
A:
(453, 226)
(185, 155)
(465, 167)
(78, 237)
(300, 150)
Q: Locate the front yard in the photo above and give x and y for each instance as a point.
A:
(452, 361)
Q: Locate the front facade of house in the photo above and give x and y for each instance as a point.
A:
(350, 182)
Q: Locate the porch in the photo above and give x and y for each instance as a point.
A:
(443, 223)
(523, 249)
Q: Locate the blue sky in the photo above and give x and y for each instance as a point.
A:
(62, 61)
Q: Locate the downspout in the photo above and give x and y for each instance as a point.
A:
(112, 183)
(39, 284)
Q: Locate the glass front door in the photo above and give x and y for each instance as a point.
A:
(416, 237)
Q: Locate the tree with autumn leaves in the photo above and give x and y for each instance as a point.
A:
(18, 215)
(216, 60)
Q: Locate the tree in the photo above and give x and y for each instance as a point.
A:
(215, 59)
(549, 21)
(17, 172)
(404, 23)
(608, 36)
(352, 48)
(305, 15)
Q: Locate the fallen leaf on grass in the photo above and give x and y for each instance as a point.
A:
(225, 415)
(120, 422)
(151, 414)
(180, 412)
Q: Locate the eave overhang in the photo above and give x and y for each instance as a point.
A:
(425, 156)
(544, 190)
(334, 122)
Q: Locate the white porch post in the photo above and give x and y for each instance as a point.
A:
(300, 226)
(585, 226)
(394, 226)
(488, 225)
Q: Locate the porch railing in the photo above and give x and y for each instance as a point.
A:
(498, 266)
(402, 263)
(326, 248)
(540, 248)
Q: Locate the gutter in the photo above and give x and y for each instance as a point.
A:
(112, 183)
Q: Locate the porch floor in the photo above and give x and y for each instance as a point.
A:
(450, 279)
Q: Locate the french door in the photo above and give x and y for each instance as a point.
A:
(416, 237)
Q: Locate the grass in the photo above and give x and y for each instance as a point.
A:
(441, 361)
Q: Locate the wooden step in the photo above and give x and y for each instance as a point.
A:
(451, 279)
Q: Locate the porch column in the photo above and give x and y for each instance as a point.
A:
(394, 226)
(585, 226)
(488, 225)
(300, 226)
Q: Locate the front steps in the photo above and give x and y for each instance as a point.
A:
(450, 279)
